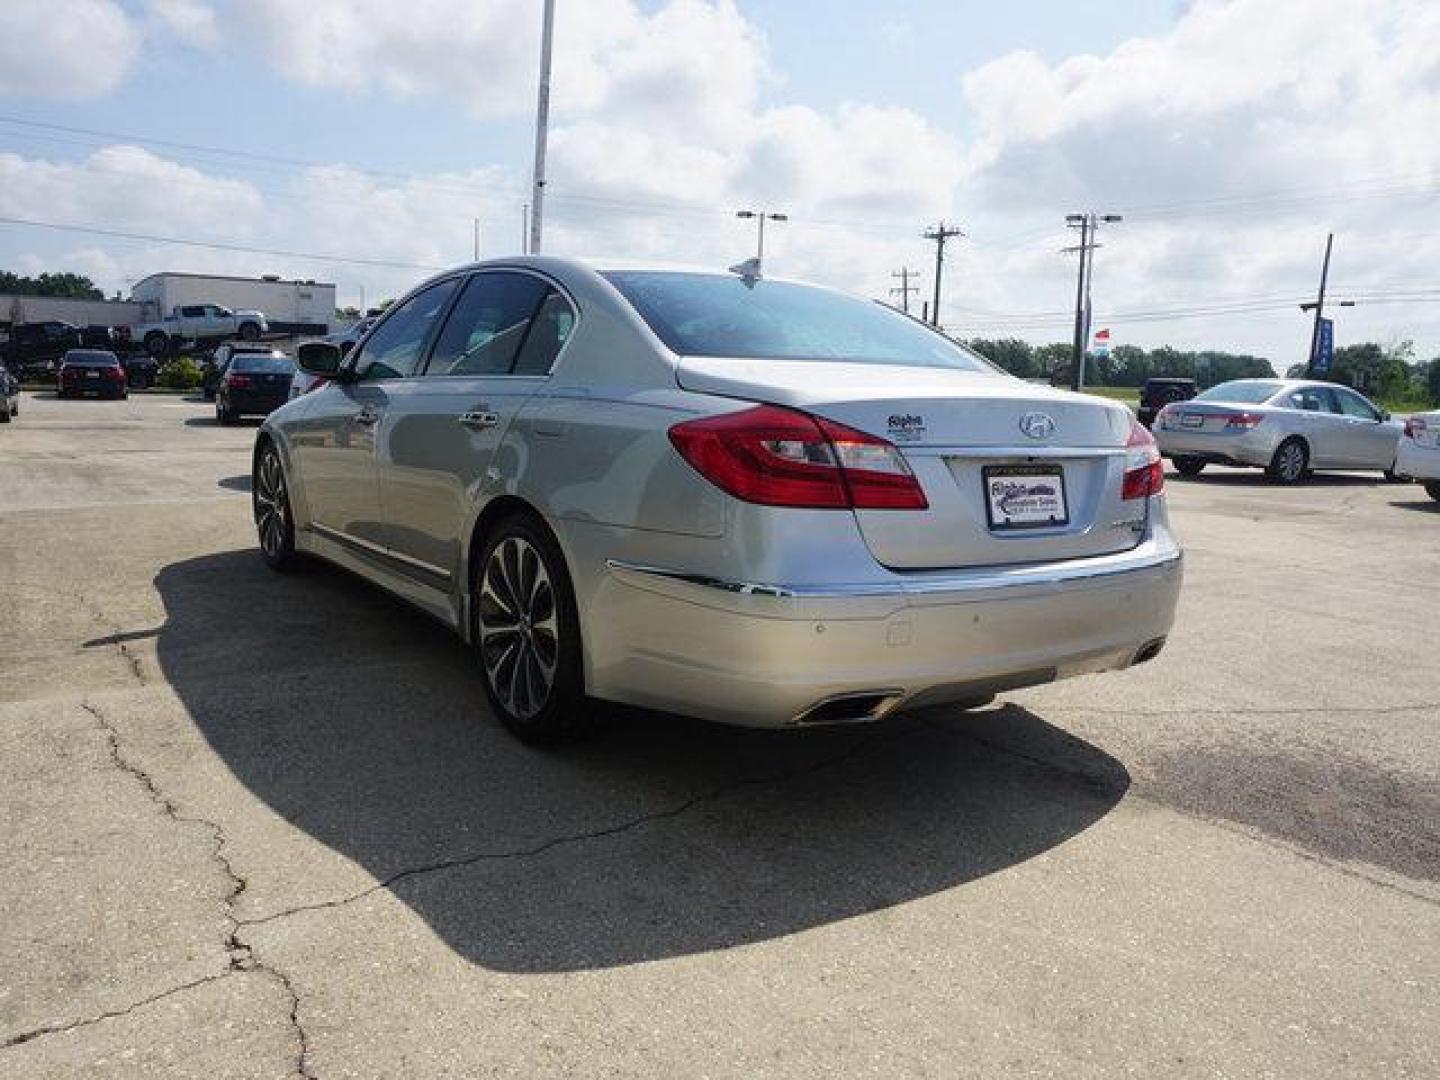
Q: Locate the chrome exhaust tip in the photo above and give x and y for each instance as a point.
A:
(857, 707)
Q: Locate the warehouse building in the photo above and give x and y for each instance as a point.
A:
(290, 307)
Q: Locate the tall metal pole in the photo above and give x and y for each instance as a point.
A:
(525, 228)
(1319, 306)
(1077, 352)
(477, 239)
(542, 125)
(940, 233)
(760, 241)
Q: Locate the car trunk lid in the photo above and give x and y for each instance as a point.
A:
(1014, 472)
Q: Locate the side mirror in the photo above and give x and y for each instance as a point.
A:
(321, 358)
(1384, 415)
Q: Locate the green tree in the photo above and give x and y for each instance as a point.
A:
(1013, 354)
(73, 286)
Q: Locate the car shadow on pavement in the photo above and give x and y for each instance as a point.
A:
(363, 723)
(242, 482)
(1423, 505)
(1257, 478)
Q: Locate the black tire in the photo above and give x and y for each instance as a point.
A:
(1291, 460)
(249, 331)
(1432, 488)
(1392, 477)
(157, 345)
(5, 412)
(270, 507)
(1189, 466)
(223, 416)
(513, 637)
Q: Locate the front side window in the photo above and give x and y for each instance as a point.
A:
(192, 312)
(1352, 404)
(395, 349)
(726, 316)
(485, 331)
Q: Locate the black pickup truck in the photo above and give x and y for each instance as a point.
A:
(1157, 393)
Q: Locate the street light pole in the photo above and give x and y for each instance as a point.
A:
(542, 127)
(1319, 306)
(760, 217)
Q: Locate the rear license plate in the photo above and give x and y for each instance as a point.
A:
(1192, 420)
(1025, 496)
(92, 374)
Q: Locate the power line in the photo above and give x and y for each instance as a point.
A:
(92, 230)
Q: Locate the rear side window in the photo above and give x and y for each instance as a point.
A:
(485, 331)
(549, 331)
(394, 350)
(727, 316)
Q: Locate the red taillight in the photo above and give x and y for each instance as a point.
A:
(781, 457)
(1244, 421)
(117, 373)
(1415, 427)
(237, 380)
(1144, 471)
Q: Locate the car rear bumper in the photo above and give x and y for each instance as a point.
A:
(776, 656)
(1416, 461)
(251, 404)
(1239, 448)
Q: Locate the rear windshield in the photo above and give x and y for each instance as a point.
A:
(96, 358)
(1241, 391)
(724, 315)
(262, 365)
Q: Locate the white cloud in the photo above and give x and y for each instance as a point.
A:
(64, 48)
(191, 21)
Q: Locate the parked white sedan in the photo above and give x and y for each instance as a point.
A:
(1288, 427)
(1419, 456)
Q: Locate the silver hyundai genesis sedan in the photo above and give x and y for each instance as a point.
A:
(756, 501)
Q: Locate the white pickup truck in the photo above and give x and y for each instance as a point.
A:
(198, 322)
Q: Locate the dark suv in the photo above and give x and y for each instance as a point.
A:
(35, 350)
(1157, 393)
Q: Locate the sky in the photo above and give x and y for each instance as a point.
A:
(357, 141)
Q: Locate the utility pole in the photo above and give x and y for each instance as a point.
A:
(904, 289)
(525, 228)
(1319, 305)
(760, 216)
(477, 239)
(940, 233)
(1089, 226)
(542, 128)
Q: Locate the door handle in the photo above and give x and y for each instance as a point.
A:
(479, 420)
(367, 416)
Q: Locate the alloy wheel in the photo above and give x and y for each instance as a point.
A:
(519, 627)
(1292, 461)
(272, 509)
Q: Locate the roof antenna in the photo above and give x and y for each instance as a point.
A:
(749, 271)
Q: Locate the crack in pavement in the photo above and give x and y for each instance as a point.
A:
(1102, 785)
(111, 1014)
(240, 956)
(714, 794)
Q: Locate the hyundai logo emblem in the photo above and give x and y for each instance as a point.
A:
(1037, 425)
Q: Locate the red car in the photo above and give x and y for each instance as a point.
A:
(92, 371)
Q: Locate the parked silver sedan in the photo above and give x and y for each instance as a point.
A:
(1288, 427)
(756, 501)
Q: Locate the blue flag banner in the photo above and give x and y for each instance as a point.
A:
(1324, 348)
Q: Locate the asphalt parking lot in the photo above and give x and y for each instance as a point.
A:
(260, 826)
